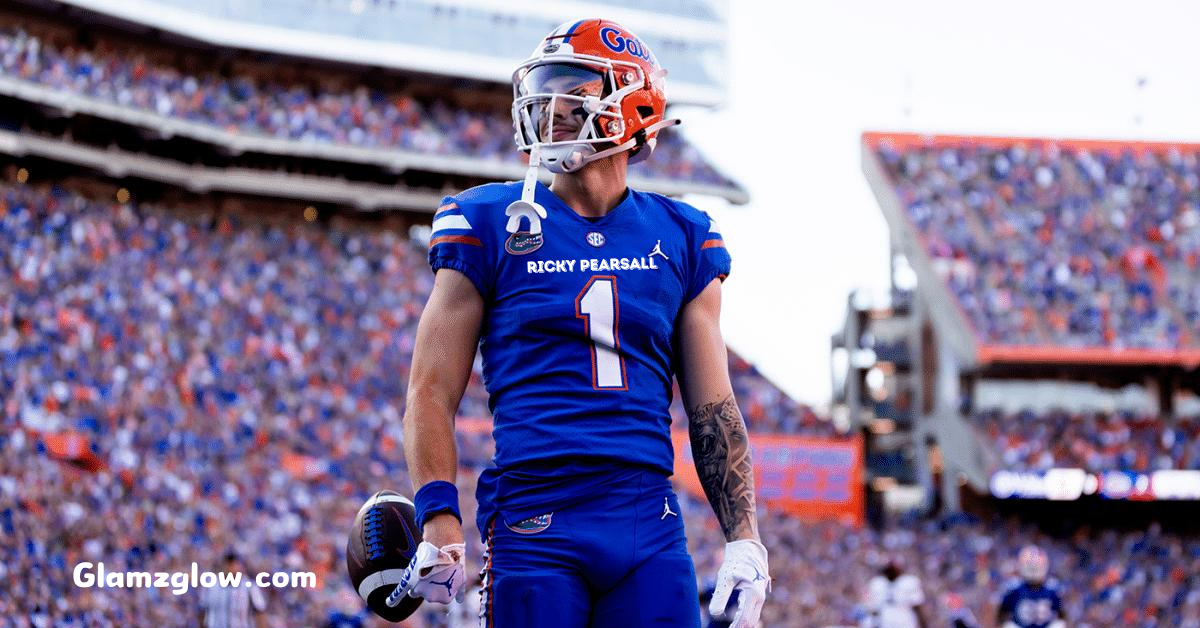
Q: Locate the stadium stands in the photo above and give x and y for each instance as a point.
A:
(1144, 579)
(766, 408)
(1060, 251)
(459, 28)
(236, 401)
(1059, 244)
(230, 382)
(322, 114)
(1094, 442)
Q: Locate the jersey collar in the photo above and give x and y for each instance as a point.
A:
(547, 198)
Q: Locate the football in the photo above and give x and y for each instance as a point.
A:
(381, 544)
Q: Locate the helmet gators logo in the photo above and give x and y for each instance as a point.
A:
(619, 43)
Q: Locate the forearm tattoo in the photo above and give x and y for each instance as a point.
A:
(722, 453)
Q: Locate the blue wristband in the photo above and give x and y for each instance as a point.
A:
(434, 498)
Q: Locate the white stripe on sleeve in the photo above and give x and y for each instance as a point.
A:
(451, 222)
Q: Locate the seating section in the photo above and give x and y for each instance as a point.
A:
(302, 111)
(1095, 442)
(228, 384)
(1060, 244)
(1137, 578)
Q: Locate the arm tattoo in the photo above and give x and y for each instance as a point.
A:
(722, 453)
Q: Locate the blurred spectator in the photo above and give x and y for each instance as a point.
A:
(229, 606)
(895, 599)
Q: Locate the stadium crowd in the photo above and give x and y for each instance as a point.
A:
(1049, 244)
(225, 384)
(1092, 441)
(766, 408)
(357, 116)
(240, 384)
(1140, 579)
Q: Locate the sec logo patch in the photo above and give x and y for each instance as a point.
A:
(596, 239)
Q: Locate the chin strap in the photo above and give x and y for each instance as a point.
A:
(611, 151)
(661, 124)
(526, 207)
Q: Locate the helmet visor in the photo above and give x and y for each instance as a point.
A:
(560, 101)
(561, 78)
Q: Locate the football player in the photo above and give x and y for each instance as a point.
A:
(895, 599)
(1034, 602)
(585, 299)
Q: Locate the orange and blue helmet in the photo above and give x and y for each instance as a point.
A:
(590, 89)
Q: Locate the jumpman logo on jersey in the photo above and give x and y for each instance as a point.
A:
(667, 508)
(449, 583)
(657, 250)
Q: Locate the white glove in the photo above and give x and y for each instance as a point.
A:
(744, 569)
(435, 574)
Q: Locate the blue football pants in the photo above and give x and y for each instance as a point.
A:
(618, 560)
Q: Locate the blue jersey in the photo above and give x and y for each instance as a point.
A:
(578, 339)
(1032, 607)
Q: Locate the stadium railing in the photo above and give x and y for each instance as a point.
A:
(943, 307)
(199, 179)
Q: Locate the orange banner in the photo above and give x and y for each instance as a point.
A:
(1108, 356)
(814, 478)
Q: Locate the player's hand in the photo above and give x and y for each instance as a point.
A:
(438, 571)
(744, 570)
(443, 529)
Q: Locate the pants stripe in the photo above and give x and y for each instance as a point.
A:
(486, 615)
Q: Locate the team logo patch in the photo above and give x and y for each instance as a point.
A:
(532, 525)
(523, 242)
(595, 238)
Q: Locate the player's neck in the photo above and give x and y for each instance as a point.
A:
(595, 189)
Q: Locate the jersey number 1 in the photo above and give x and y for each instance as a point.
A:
(597, 305)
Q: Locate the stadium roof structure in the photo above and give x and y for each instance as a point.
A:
(970, 346)
(198, 179)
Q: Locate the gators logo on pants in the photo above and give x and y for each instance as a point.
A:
(532, 525)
